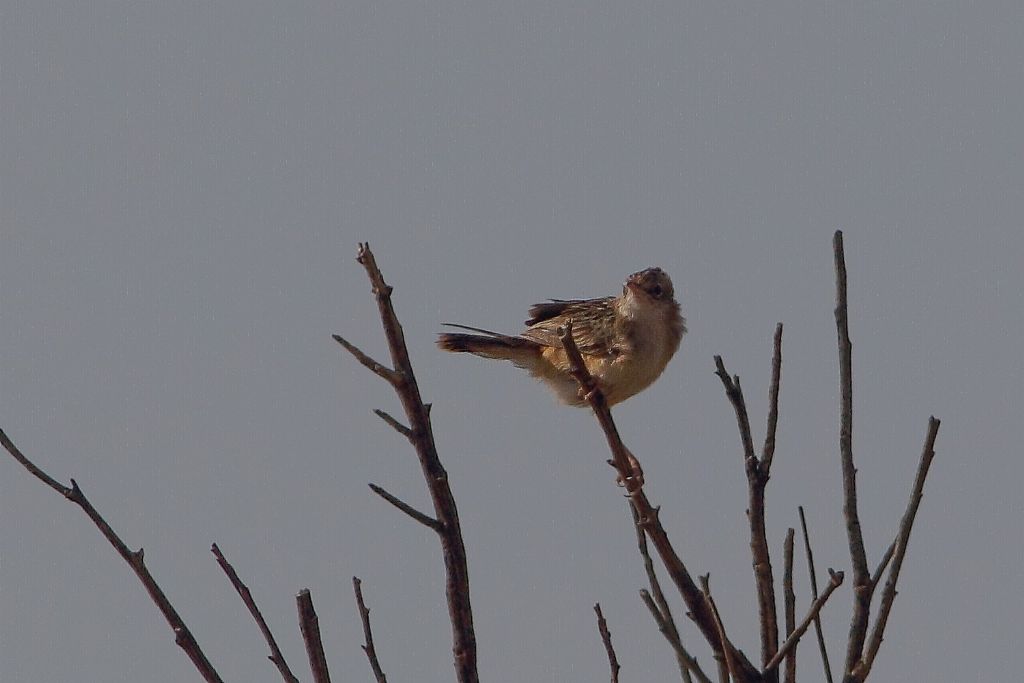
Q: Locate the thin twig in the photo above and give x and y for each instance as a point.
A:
(420, 517)
(243, 591)
(390, 376)
(364, 616)
(309, 625)
(906, 525)
(773, 402)
(394, 424)
(606, 638)
(686, 661)
(858, 557)
(757, 479)
(677, 571)
(882, 564)
(814, 593)
(660, 610)
(135, 559)
(730, 666)
(789, 600)
(734, 392)
(446, 512)
(794, 638)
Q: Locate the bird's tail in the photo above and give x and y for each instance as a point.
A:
(489, 345)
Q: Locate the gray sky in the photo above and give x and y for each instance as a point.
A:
(182, 187)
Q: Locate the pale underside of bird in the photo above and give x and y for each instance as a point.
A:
(625, 341)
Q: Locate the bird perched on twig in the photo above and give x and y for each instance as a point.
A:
(625, 341)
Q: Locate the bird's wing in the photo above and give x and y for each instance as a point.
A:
(592, 323)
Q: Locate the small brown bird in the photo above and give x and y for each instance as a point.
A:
(626, 341)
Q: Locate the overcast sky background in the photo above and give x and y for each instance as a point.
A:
(182, 189)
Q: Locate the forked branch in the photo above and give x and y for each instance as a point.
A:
(902, 539)
(861, 652)
(699, 610)
(419, 432)
(855, 538)
(758, 472)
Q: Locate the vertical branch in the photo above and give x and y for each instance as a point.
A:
(448, 528)
(789, 600)
(814, 594)
(606, 638)
(368, 648)
(758, 472)
(309, 625)
(858, 557)
(773, 401)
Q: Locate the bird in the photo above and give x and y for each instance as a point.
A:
(625, 341)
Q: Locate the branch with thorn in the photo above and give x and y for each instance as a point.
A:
(419, 432)
(699, 610)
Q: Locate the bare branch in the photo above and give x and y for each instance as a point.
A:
(364, 616)
(660, 610)
(243, 591)
(789, 600)
(687, 663)
(135, 559)
(698, 608)
(794, 638)
(394, 424)
(882, 564)
(734, 392)
(730, 666)
(446, 521)
(906, 524)
(773, 403)
(858, 557)
(814, 594)
(621, 456)
(757, 479)
(420, 517)
(390, 376)
(309, 624)
(606, 638)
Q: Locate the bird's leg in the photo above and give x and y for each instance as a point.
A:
(632, 480)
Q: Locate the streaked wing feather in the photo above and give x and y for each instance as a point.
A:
(591, 323)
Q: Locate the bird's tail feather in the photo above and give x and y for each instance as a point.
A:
(488, 345)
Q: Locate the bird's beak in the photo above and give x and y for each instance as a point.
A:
(632, 282)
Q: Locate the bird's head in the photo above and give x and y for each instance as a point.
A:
(651, 283)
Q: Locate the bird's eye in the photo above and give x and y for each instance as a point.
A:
(656, 291)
